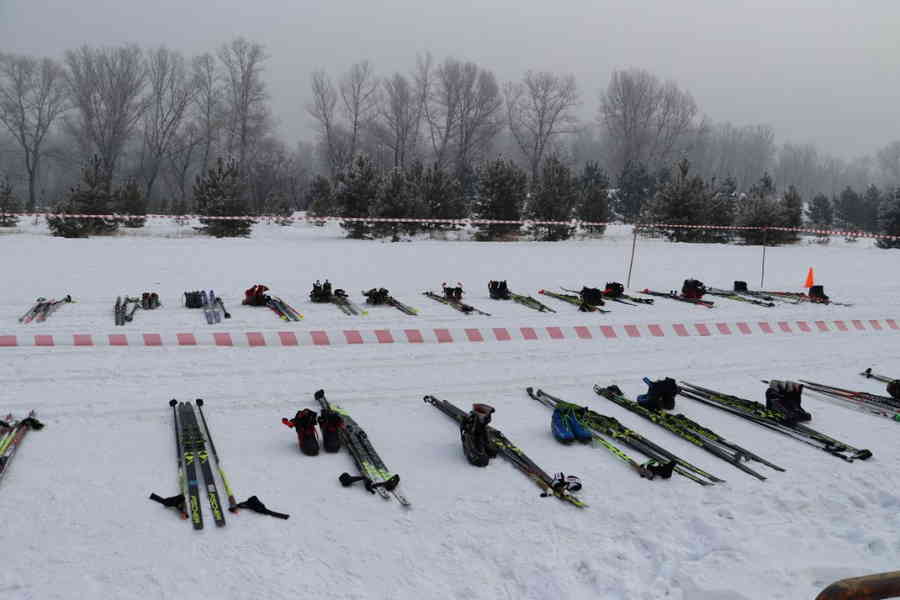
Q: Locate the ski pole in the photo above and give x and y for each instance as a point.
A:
(232, 503)
(176, 501)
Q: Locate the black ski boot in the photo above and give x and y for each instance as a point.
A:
(614, 289)
(784, 397)
(591, 296)
(305, 424)
(817, 294)
(693, 289)
(330, 423)
(479, 450)
(498, 290)
(660, 395)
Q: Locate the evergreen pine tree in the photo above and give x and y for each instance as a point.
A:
(635, 188)
(90, 197)
(554, 198)
(396, 198)
(820, 215)
(442, 197)
(871, 204)
(791, 214)
(719, 208)
(759, 209)
(502, 188)
(129, 200)
(682, 201)
(848, 210)
(8, 204)
(356, 189)
(593, 198)
(220, 193)
(889, 219)
(320, 198)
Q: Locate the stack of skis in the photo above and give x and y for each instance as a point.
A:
(147, 301)
(256, 295)
(12, 432)
(662, 463)
(687, 429)
(323, 293)
(499, 290)
(373, 472)
(213, 306)
(774, 420)
(873, 404)
(452, 297)
(381, 296)
(495, 442)
(192, 456)
(43, 308)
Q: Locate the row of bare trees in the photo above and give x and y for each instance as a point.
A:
(152, 115)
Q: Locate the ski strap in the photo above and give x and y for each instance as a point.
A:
(255, 504)
(171, 502)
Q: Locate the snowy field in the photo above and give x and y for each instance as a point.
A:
(76, 521)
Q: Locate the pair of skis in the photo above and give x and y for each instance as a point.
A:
(391, 301)
(662, 463)
(620, 298)
(457, 304)
(347, 306)
(512, 453)
(11, 436)
(574, 300)
(873, 404)
(774, 420)
(193, 462)
(681, 298)
(285, 311)
(42, 309)
(737, 297)
(690, 431)
(372, 470)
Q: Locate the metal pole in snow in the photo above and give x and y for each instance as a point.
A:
(631, 263)
(762, 277)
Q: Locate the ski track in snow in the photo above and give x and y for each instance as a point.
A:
(76, 521)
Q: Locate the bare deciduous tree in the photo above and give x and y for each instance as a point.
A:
(399, 116)
(647, 120)
(207, 104)
(32, 98)
(323, 109)
(170, 94)
(105, 85)
(358, 92)
(539, 109)
(247, 119)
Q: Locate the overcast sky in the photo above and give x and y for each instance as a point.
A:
(823, 71)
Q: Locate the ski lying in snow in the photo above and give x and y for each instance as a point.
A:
(680, 298)
(574, 300)
(372, 471)
(620, 298)
(12, 436)
(391, 301)
(530, 302)
(771, 419)
(728, 294)
(882, 406)
(511, 453)
(690, 431)
(347, 307)
(650, 470)
(194, 443)
(457, 304)
(803, 297)
(285, 311)
(893, 385)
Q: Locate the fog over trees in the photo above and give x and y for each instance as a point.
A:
(157, 120)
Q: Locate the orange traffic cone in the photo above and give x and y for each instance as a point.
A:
(810, 279)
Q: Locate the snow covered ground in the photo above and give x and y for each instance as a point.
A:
(77, 522)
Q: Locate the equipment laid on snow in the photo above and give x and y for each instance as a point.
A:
(494, 439)
(11, 435)
(690, 431)
(672, 295)
(574, 300)
(372, 471)
(256, 295)
(738, 297)
(784, 397)
(452, 296)
(660, 394)
(893, 385)
(43, 308)
(379, 296)
(693, 289)
(882, 406)
(662, 463)
(323, 293)
(772, 419)
(499, 290)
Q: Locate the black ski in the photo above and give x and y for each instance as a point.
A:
(457, 304)
(190, 459)
(680, 298)
(194, 440)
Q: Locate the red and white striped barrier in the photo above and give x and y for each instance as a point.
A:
(450, 335)
(459, 222)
